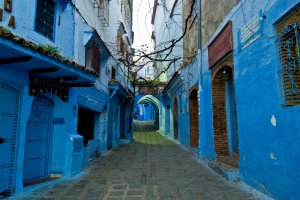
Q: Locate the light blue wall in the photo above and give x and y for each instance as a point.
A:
(25, 12)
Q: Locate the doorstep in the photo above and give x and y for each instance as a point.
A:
(230, 173)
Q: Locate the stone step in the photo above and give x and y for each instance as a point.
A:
(232, 160)
(228, 172)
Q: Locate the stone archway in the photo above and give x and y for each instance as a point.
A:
(224, 112)
(194, 118)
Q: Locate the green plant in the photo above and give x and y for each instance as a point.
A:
(5, 29)
(50, 48)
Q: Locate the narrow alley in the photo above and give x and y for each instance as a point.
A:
(152, 168)
(150, 99)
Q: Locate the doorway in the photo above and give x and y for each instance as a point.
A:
(224, 113)
(86, 124)
(194, 118)
(175, 118)
(9, 117)
(38, 143)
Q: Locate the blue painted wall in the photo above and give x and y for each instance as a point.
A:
(70, 42)
(145, 111)
(24, 12)
(269, 154)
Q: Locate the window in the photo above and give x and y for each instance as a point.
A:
(148, 71)
(181, 104)
(288, 31)
(113, 73)
(92, 56)
(44, 21)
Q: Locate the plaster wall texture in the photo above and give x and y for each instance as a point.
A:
(190, 40)
(25, 14)
(166, 28)
(268, 153)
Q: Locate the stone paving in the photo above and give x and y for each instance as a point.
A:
(151, 168)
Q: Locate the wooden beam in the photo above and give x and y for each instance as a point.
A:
(43, 70)
(5, 61)
(67, 78)
(79, 84)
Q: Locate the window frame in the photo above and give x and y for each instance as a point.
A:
(54, 21)
(94, 63)
(288, 33)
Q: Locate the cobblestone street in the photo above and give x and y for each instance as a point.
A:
(152, 167)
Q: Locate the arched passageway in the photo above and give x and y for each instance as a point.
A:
(194, 118)
(147, 114)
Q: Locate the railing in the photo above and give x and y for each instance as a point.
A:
(103, 10)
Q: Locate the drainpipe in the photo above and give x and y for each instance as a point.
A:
(200, 70)
(200, 44)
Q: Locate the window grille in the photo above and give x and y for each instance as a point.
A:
(103, 12)
(288, 31)
(126, 9)
(44, 22)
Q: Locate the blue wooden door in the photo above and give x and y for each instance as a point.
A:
(9, 119)
(38, 144)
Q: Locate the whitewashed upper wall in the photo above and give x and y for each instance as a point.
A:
(168, 27)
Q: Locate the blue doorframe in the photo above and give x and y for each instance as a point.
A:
(9, 118)
(38, 143)
(230, 116)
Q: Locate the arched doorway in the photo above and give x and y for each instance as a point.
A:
(38, 143)
(224, 113)
(9, 118)
(175, 118)
(194, 118)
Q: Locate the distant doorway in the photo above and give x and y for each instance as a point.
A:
(194, 118)
(175, 118)
(86, 124)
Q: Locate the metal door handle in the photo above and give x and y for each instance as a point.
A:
(1, 140)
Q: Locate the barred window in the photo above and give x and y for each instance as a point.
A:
(92, 56)
(288, 31)
(44, 20)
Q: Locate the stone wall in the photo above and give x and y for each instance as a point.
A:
(190, 40)
(213, 13)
